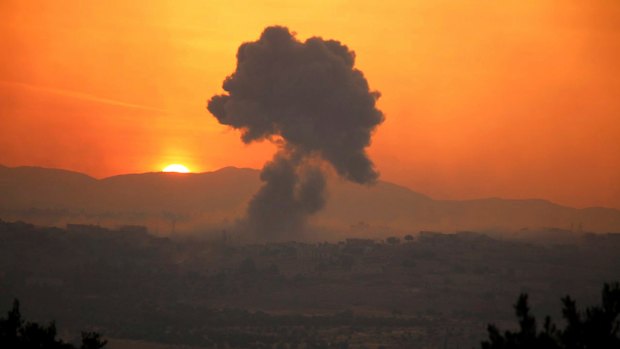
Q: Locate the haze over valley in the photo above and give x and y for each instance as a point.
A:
(206, 203)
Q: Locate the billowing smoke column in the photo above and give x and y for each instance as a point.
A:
(308, 98)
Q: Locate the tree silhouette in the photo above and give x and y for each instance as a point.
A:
(92, 340)
(392, 240)
(15, 333)
(597, 327)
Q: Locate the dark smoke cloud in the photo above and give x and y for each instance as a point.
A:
(309, 97)
(291, 192)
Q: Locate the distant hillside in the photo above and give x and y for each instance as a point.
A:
(212, 200)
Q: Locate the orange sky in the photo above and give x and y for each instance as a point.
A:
(514, 99)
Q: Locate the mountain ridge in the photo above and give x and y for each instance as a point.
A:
(217, 198)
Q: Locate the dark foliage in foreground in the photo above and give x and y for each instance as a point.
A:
(16, 333)
(596, 327)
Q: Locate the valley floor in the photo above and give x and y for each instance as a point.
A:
(432, 291)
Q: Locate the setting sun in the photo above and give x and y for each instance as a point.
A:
(176, 168)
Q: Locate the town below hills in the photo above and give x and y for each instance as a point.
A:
(208, 203)
(424, 290)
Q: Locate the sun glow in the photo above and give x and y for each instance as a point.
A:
(176, 168)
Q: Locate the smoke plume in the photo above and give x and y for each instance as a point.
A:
(308, 98)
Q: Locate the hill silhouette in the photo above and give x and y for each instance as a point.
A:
(213, 200)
